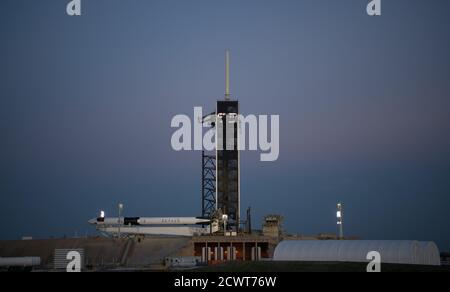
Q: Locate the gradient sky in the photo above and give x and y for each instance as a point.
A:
(86, 104)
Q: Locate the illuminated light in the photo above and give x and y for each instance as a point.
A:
(339, 215)
(102, 214)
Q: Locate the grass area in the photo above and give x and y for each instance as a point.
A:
(314, 267)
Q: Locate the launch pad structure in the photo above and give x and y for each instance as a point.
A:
(221, 170)
(217, 233)
(220, 188)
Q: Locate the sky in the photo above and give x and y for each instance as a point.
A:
(86, 104)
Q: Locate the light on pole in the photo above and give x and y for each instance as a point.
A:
(120, 218)
(224, 219)
(340, 221)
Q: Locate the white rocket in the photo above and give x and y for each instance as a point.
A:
(137, 221)
(172, 226)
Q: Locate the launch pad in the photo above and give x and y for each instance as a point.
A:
(218, 234)
(220, 185)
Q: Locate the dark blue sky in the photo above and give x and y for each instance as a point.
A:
(86, 104)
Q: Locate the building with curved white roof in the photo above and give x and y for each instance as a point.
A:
(391, 251)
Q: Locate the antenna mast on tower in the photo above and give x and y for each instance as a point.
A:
(227, 75)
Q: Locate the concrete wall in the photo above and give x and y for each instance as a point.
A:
(153, 251)
(99, 251)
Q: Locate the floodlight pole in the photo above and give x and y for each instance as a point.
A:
(119, 220)
(340, 221)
